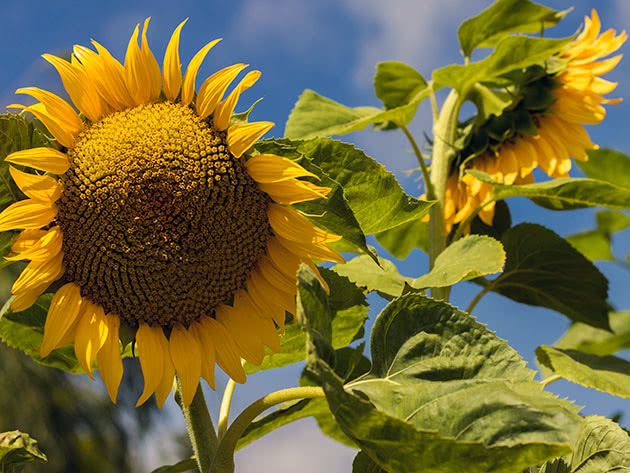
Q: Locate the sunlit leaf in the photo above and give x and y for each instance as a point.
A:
(384, 279)
(607, 165)
(189, 464)
(397, 83)
(594, 244)
(401, 240)
(596, 341)
(18, 449)
(504, 17)
(543, 269)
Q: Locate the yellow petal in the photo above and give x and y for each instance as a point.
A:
(293, 191)
(242, 136)
(45, 247)
(61, 135)
(271, 301)
(43, 159)
(212, 90)
(269, 168)
(172, 69)
(91, 334)
(275, 277)
(166, 384)
(27, 214)
(38, 273)
(186, 357)
(226, 352)
(188, 88)
(151, 65)
(58, 108)
(150, 352)
(27, 298)
(79, 87)
(62, 313)
(263, 326)
(109, 360)
(291, 225)
(114, 79)
(223, 112)
(243, 331)
(43, 188)
(206, 345)
(509, 164)
(137, 72)
(26, 239)
(313, 250)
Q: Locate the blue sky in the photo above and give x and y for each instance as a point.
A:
(333, 48)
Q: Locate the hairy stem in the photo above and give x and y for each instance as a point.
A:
(224, 461)
(226, 402)
(425, 171)
(200, 429)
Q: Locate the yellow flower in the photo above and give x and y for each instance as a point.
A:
(560, 131)
(158, 219)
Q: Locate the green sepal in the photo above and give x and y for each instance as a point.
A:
(18, 449)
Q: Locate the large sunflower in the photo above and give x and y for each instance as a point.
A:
(158, 220)
(559, 132)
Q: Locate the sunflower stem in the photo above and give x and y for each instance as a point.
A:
(200, 429)
(444, 131)
(224, 412)
(224, 460)
(428, 186)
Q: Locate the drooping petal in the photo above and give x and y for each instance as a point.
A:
(291, 225)
(27, 298)
(212, 90)
(27, 214)
(243, 332)
(223, 112)
(39, 272)
(42, 159)
(186, 357)
(262, 326)
(269, 168)
(206, 345)
(45, 247)
(293, 191)
(151, 65)
(114, 79)
(188, 87)
(42, 188)
(91, 334)
(150, 352)
(109, 360)
(172, 69)
(166, 384)
(26, 239)
(62, 313)
(242, 136)
(61, 135)
(225, 348)
(59, 109)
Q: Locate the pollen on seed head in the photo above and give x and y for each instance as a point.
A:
(160, 222)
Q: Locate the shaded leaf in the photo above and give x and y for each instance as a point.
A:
(609, 374)
(489, 416)
(17, 449)
(511, 53)
(607, 165)
(467, 258)
(504, 17)
(501, 222)
(396, 83)
(543, 269)
(401, 240)
(362, 463)
(365, 273)
(348, 306)
(189, 464)
(314, 115)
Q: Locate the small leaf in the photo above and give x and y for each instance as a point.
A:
(17, 449)
(314, 115)
(609, 374)
(595, 245)
(401, 240)
(504, 17)
(612, 221)
(511, 53)
(243, 116)
(396, 83)
(384, 279)
(467, 258)
(596, 341)
(189, 464)
(543, 269)
(607, 165)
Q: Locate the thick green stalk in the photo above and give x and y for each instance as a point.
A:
(224, 461)
(444, 131)
(200, 429)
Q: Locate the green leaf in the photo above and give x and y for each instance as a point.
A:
(609, 374)
(432, 402)
(467, 258)
(24, 330)
(364, 272)
(564, 193)
(596, 341)
(396, 83)
(362, 463)
(6, 240)
(349, 309)
(501, 222)
(243, 116)
(504, 17)
(511, 53)
(612, 221)
(189, 464)
(594, 244)
(602, 446)
(17, 449)
(543, 269)
(314, 115)
(16, 134)
(374, 195)
(401, 240)
(607, 165)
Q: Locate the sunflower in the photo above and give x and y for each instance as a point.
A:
(559, 133)
(158, 220)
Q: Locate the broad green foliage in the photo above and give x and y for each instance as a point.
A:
(17, 449)
(607, 165)
(349, 309)
(602, 446)
(596, 341)
(610, 374)
(414, 421)
(511, 53)
(396, 83)
(364, 464)
(467, 258)
(399, 241)
(545, 270)
(383, 278)
(502, 18)
(24, 330)
(594, 244)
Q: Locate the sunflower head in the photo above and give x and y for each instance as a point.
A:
(159, 219)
